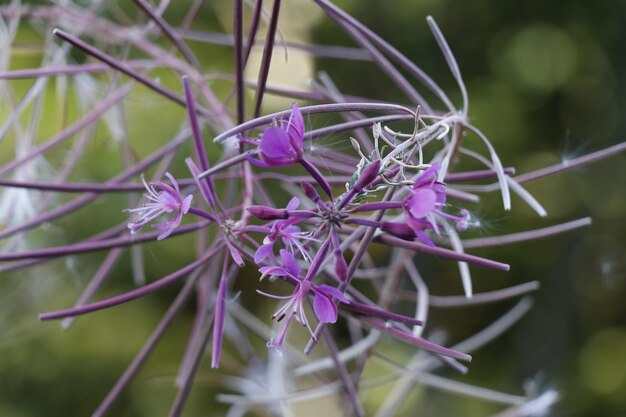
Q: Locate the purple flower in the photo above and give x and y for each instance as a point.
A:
(283, 145)
(160, 199)
(290, 234)
(424, 202)
(323, 306)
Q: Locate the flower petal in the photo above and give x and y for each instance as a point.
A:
(173, 181)
(332, 292)
(425, 239)
(293, 203)
(186, 204)
(428, 176)
(324, 308)
(275, 147)
(273, 270)
(421, 203)
(290, 263)
(234, 253)
(295, 127)
(263, 252)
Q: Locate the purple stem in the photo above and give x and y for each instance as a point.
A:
(341, 267)
(133, 294)
(323, 51)
(317, 109)
(206, 187)
(73, 69)
(416, 341)
(362, 222)
(198, 140)
(318, 177)
(444, 253)
(96, 282)
(239, 60)
(449, 57)
(267, 57)
(317, 261)
(97, 245)
(452, 177)
(195, 360)
(379, 205)
(572, 163)
(225, 164)
(82, 187)
(89, 197)
(394, 75)
(483, 298)
(485, 242)
(114, 63)
(204, 214)
(168, 31)
(346, 380)
(373, 311)
(31, 262)
(94, 187)
(152, 342)
(252, 32)
(220, 315)
(389, 50)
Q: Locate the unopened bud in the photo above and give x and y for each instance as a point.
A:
(341, 267)
(310, 192)
(368, 175)
(268, 213)
(401, 230)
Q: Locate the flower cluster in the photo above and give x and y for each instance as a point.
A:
(161, 199)
(339, 229)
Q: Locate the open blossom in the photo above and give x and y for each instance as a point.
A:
(423, 205)
(285, 230)
(283, 144)
(161, 199)
(323, 306)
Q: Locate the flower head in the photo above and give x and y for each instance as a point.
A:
(160, 199)
(422, 206)
(323, 306)
(283, 145)
(285, 230)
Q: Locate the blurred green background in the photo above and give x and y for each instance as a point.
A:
(547, 82)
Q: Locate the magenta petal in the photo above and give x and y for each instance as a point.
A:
(423, 237)
(173, 181)
(295, 128)
(290, 263)
(263, 252)
(186, 204)
(324, 308)
(273, 270)
(257, 162)
(234, 253)
(440, 189)
(418, 225)
(164, 234)
(293, 203)
(401, 230)
(166, 227)
(333, 292)
(275, 145)
(429, 175)
(421, 203)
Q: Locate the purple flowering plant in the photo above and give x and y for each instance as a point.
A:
(161, 199)
(395, 188)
